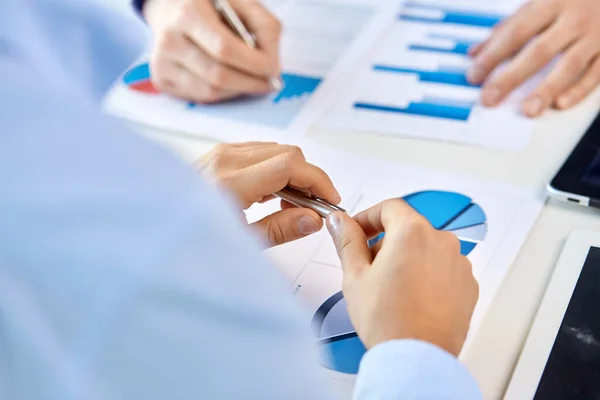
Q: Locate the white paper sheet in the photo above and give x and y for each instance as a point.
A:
(321, 40)
(493, 220)
(414, 84)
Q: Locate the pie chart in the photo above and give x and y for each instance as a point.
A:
(138, 79)
(448, 211)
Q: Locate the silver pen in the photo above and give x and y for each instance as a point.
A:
(306, 200)
(237, 26)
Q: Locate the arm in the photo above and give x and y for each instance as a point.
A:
(116, 282)
(117, 271)
(120, 285)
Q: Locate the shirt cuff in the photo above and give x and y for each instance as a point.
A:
(139, 5)
(410, 370)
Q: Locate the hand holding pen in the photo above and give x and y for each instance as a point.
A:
(198, 55)
(257, 172)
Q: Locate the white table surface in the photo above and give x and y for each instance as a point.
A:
(498, 342)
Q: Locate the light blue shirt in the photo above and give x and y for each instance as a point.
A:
(117, 275)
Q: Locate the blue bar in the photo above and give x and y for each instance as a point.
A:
(423, 109)
(443, 36)
(449, 102)
(443, 76)
(461, 49)
(453, 16)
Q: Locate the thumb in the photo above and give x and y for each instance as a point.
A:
(288, 225)
(350, 242)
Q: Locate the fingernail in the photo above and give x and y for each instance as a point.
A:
(338, 198)
(491, 96)
(564, 101)
(533, 106)
(276, 83)
(475, 74)
(333, 223)
(307, 225)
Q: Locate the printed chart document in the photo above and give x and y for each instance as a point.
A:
(491, 220)
(321, 42)
(414, 81)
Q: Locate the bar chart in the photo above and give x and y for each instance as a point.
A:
(416, 81)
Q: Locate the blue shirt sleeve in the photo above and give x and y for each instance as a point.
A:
(413, 370)
(117, 275)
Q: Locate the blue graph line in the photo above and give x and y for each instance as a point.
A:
(296, 86)
(448, 76)
(423, 109)
(453, 16)
(461, 49)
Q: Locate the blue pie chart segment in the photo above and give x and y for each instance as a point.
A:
(452, 212)
(449, 211)
(343, 353)
(440, 208)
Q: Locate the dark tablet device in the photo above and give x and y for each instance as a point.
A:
(561, 357)
(578, 181)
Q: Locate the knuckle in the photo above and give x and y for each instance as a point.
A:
(288, 160)
(520, 30)
(343, 242)
(217, 157)
(217, 76)
(575, 63)
(416, 223)
(273, 24)
(397, 206)
(219, 48)
(167, 40)
(183, 13)
(295, 151)
(543, 50)
(275, 233)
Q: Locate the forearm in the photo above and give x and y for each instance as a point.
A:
(411, 370)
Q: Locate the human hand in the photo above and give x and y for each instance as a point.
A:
(414, 284)
(198, 58)
(252, 172)
(538, 33)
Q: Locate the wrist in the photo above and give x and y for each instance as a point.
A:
(450, 343)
